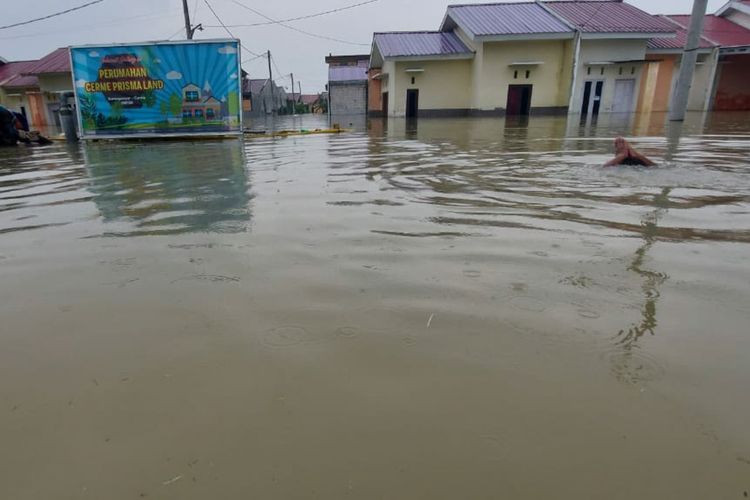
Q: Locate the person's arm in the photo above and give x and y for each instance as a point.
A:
(617, 160)
(638, 156)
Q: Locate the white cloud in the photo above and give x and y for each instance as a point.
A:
(227, 49)
(81, 83)
(93, 53)
(174, 75)
(157, 61)
(233, 76)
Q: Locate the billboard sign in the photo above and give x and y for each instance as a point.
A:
(158, 89)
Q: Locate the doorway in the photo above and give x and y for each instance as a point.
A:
(592, 98)
(412, 103)
(519, 100)
(385, 103)
(624, 92)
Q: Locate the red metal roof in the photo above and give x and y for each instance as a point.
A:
(678, 42)
(506, 19)
(12, 75)
(57, 61)
(720, 30)
(609, 17)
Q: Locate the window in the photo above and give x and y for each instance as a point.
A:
(620, 69)
(199, 113)
(210, 113)
(632, 70)
(186, 114)
(192, 96)
(413, 80)
(602, 71)
(589, 70)
(515, 74)
(528, 74)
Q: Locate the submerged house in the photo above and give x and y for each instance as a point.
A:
(347, 84)
(516, 59)
(729, 29)
(663, 58)
(20, 93)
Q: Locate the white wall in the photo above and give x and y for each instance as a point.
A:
(608, 50)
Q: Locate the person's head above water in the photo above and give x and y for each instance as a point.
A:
(621, 145)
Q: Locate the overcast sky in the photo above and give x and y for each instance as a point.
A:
(114, 21)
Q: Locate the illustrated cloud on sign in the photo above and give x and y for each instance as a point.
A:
(80, 83)
(233, 76)
(93, 53)
(174, 75)
(227, 49)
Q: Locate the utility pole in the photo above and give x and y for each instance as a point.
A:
(687, 65)
(270, 82)
(294, 101)
(188, 28)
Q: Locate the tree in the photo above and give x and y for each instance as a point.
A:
(233, 104)
(164, 108)
(175, 105)
(149, 98)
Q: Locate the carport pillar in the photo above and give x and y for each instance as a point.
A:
(687, 65)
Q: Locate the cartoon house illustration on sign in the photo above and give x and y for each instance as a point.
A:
(201, 105)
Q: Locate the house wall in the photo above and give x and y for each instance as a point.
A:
(740, 18)
(733, 91)
(660, 78)
(374, 95)
(493, 73)
(348, 98)
(444, 86)
(600, 50)
(15, 99)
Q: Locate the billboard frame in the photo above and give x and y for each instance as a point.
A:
(156, 135)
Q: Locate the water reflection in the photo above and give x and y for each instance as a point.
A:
(631, 365)
(170, 188)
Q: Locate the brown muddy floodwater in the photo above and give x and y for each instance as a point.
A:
(453, 309)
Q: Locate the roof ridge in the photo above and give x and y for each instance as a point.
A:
(411, 31)
(490, 3)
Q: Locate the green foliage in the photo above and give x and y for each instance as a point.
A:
(164, 108)
(175, 105)
(116, 109)
(88, 110)
(149, 98)
(233, 103)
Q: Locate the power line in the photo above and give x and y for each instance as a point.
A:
(51, 15)
(309, 16)
(227, 29)
(281, 23)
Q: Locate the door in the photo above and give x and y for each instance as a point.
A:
(412, 103)
(592, 98)
(36, 104)
(519, 100)
(624, 92)
(385, 103)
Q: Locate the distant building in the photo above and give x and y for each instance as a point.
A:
(347, 84)
(20, 93)
(265, 97)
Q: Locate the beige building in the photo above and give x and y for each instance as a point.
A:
(516, 59)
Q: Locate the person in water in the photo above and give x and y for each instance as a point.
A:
(626, 155)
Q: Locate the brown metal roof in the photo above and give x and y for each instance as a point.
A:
(609, 17)
(679, 41)
(57, 61)
(720, 30)
(13, 75)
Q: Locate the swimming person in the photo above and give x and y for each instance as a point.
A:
(626, 155)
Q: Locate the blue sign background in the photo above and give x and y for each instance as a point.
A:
(162, 88)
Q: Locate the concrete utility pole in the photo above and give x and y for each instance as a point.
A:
(270, 82)
(687, 65)
(294, 101)
(186, 12)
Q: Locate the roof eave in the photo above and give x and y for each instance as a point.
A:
(702, 50)
(525, 36)
(626, 35)
(432, 57)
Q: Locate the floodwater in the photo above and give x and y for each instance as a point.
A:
(445, 309)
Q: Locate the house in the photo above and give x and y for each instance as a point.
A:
(663, 57)
(728, 29)
(516, 59)
(200, 104)
(265, 97)
(347, 83)
(55, 78)
(20, 92)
